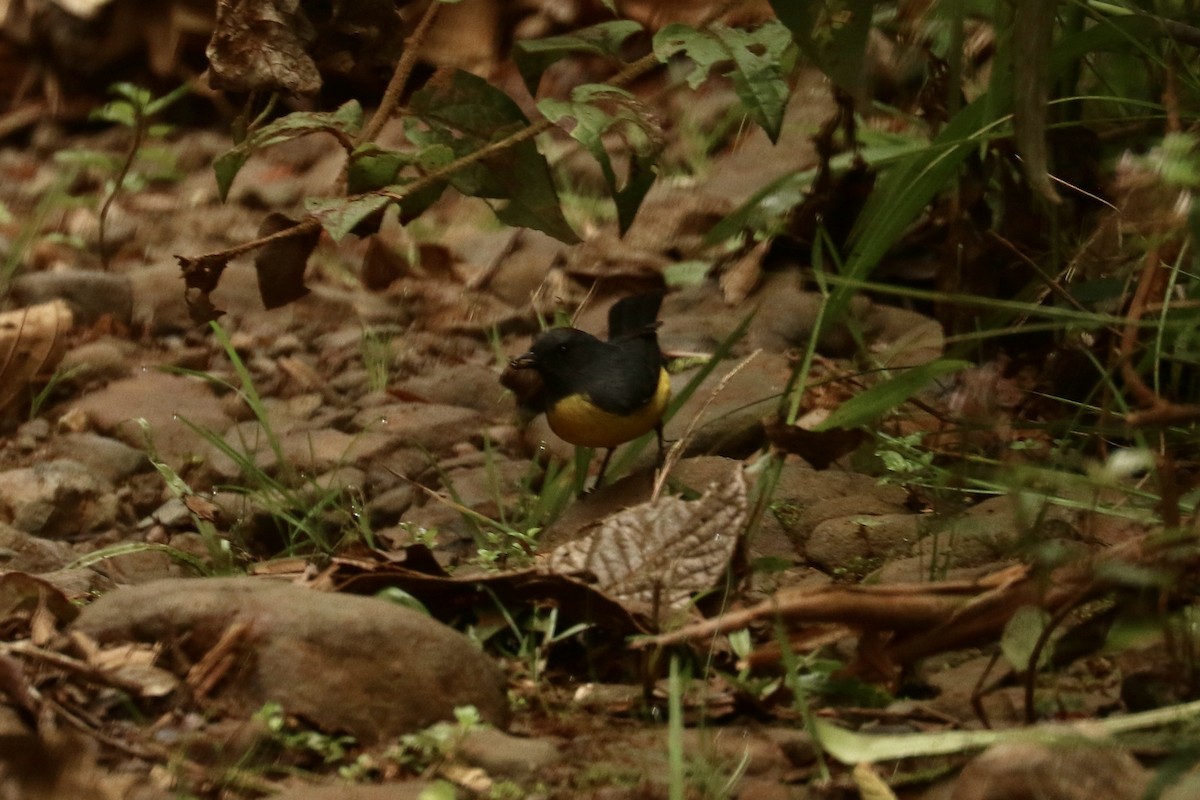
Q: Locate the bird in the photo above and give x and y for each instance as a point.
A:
(598, 393)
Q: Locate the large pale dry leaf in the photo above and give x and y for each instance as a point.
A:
(32, 341)
(655, 556)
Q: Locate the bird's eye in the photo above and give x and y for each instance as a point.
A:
(562, 348)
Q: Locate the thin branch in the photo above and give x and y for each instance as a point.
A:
(626, 76)
(395, 87)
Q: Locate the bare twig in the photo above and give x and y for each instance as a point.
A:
(628, 75)
(676, 451)
(404, 68)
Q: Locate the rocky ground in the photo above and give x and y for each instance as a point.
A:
(233, 504)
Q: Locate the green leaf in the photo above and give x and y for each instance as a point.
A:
(226, 167)
(1021, 635)
(592, 122)
(345, 120)
(158, 105)
(340, 215)
(534, 56)
(415, 203)
(758, 56)
(466, 114)
(373, 167)
(760, 79)
(118, 112)
(882, 398)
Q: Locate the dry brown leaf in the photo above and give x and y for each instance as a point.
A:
(261, 46)
(657, 555)
(32, 341)
(743, 277)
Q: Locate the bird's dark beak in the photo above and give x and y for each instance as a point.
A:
(524, 361)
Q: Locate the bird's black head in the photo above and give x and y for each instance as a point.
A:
(556, 351)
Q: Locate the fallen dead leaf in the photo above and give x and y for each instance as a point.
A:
(32, 341)
(654, 557)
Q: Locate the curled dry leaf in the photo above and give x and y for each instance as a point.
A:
(653, 557)
(261, 47)
(745, 274)
(32, 342)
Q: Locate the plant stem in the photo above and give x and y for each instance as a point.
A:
(139, 133)
(404, 68)
(630, 73)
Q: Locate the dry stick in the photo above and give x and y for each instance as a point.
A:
(395, 87)
(626, 76)
(1035, 654)
(676, 451)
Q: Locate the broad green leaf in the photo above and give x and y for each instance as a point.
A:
(373, 167)
(534, 56)
(435, 157)
(702, 47)
(592, 122)
(1021, 635)
(760, 78)
(346, 120)
(340, 215)
(872, 404)
(759, 58)
(833, 35)
(467, 113)
(226, 167)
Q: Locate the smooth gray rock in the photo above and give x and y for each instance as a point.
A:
(340, 661)
(90, 294)
(56, 499)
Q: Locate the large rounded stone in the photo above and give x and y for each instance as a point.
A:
(339, 661)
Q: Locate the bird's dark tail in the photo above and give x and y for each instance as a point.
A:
(636, 315)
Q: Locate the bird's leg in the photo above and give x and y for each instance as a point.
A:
(658, 431)
(603, 466)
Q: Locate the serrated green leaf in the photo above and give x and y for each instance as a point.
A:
(702, 47)
(466, 113)
(759, 79)
(534, 56)
(872, 404)
(227, 166)
(758, 58)
(339, 216)
(592, 123)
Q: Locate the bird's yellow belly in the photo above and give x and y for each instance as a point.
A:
(576, 420)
